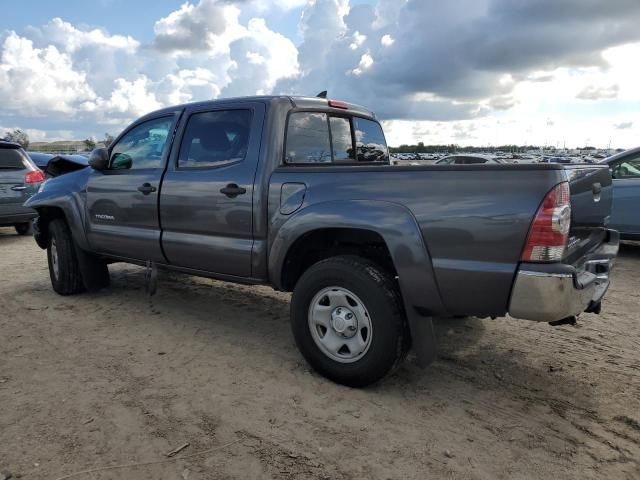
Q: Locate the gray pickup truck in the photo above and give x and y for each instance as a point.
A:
(298, 193)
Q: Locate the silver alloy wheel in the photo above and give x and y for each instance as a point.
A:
(54, 258)
(340, 324)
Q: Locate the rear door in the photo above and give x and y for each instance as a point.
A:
(122, 201)
(206, 205)
(13, 190)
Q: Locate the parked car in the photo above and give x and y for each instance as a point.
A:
(625, 213)
(470, 159)
(20, 178)
(298, 193)
(40, 159)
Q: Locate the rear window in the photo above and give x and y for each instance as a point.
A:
(308, 138)
(317, 137)
(11, 159)
(370, 142)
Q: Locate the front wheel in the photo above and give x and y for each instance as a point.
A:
(23, 228)
(64, 269)
(347, 320)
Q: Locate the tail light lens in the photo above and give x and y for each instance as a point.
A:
(34, 176)
(549, 231)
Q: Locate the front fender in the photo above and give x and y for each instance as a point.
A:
(67, 194)
(393, 222)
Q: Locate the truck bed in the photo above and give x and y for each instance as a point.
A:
(474, 219)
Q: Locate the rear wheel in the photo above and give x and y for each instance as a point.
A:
(64, 269)
(23, 228)
(348, 321)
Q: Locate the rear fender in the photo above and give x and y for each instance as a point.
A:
(399, 230)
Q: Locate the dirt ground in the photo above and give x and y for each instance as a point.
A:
(117, 378)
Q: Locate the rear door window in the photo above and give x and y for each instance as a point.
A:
(370, 142)
(215, 138)
(11, 159)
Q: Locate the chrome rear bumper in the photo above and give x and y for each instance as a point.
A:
(547, 293)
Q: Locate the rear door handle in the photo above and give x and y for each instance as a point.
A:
(597, 188)
(18, 188)
(146, 188)
(233, 190)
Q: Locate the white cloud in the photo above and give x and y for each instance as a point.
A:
(128, 99)
(366, 61)
(358, 40)
(387, 40)
(398, 57)
(71, 39)
(39, 80)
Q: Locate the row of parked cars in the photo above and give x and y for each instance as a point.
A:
(625, 171)
(21, 174)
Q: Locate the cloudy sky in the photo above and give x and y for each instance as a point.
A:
(483, 72)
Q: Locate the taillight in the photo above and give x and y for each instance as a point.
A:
(549, 231)
(34, 176)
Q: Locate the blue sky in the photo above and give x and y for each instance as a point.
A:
(124, 17)
(462, 71)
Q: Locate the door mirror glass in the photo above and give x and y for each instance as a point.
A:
(121, 161)
(99, 159)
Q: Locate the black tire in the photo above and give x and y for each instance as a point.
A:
(64, 268)
(377, 291)
(23, 228)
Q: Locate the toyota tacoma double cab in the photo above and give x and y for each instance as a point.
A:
(298, 193)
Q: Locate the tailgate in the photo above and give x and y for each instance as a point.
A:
(591, 199)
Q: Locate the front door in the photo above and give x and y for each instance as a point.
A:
(122, 201)
(206, 207)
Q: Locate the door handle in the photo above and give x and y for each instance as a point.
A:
(233, 190)
(146, 188)
(18, 188)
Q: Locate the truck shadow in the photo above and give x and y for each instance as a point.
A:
(249, 315)
(629, 250)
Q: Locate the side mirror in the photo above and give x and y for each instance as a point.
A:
(121, 161)
(99, 159)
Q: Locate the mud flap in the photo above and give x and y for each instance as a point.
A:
(151, 278)
(93, 271)
(423, 338)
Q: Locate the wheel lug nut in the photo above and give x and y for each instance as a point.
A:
(349, 316)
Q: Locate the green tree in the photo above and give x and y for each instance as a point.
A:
(89, 144)
(19, 136)
(108, 139)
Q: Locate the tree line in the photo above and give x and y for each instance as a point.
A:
(19, 136)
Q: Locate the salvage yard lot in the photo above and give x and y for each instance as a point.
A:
(117, 377)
